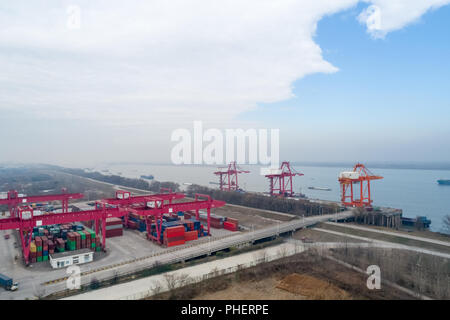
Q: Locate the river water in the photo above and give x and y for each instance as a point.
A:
(414, 191)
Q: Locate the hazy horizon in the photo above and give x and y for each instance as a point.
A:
(112, 83)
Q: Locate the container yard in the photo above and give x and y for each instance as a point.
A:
(155, 218)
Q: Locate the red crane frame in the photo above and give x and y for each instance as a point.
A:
(22, 217)
(228, 180)
(281, 184)
(13, 200)
(347, 189)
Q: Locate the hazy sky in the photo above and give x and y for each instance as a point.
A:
(337, 86)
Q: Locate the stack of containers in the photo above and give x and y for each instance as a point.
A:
(60, 245)
(38, 242)
(137, 222)
(216, 221)
(51, 247)
(33, 252)
(114, 227)
(77, 240)
(50, 239)
(82, 239)
(92, 238)
(44, 248)
(71, 243)
(174, 236)
(88, 239)
(98, 246)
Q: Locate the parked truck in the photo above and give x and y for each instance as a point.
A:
(8, 283)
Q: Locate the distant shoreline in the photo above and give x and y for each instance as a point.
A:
(343, 165)
(441, 166)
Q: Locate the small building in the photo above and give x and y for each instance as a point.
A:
(68, 258)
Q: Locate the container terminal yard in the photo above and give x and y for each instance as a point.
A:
(130, 232)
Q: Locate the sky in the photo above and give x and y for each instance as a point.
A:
(343, 80)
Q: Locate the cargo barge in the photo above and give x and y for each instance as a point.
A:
(444, 182)
(320, 188)
(414, 222)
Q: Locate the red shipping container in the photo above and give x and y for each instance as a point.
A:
(173, 239)
(38, 241)
(88, 235)
(176, 243)
(132, 224)
(174, 231)
(113, 221)
(113, 233)
(235, 221)
(191, 235)
(230, 226)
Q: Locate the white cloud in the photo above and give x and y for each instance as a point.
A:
(384, 16)
(158, 62)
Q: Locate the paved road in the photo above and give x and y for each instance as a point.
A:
(396, 234)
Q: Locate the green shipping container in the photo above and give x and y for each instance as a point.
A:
(39, 248)
(98, 249)
(93, 245)
(83, 236)
(91, 232)
(39, 259)
(60, 249)
(44, 258)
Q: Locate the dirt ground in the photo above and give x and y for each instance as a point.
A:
(311, 287)
(305, 276)
(249, 216)
(292, 287)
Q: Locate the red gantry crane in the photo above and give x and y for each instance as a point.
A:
(281, 180)
(228, 176)
(13, 199)
(155, 206)
(24, 218)
(362, 176)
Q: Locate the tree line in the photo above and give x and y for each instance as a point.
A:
(154, 186)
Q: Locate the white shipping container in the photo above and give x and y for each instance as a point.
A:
(119, 196)
(349, 175)
(126, 195)
(3, 195)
